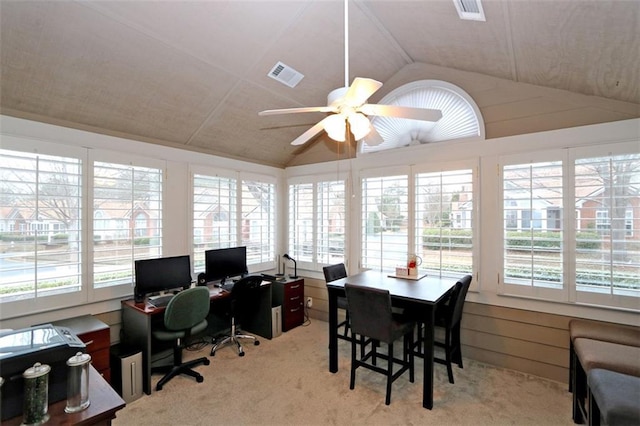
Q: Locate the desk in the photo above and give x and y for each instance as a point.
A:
(424, 294)
(104, 404)
(139, 320)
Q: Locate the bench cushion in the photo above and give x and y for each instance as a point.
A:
(611, 356)
(617, 396)
(607, 332)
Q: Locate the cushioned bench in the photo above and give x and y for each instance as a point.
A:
(621, 407)
(606, 332)
(595, 345)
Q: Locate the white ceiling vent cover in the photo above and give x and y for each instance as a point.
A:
(470, 10)
(285, 74)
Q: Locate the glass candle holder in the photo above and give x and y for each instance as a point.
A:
(36, 394)
(78, 383)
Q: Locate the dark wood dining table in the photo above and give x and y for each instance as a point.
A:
(423, 294)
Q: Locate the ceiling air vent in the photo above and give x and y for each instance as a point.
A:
(285, 74)
(470, 10)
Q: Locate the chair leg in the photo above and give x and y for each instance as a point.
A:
(352, 381)
(347, 325)
(387, 399)
(457, 346)
(447, 353)
(408, 351)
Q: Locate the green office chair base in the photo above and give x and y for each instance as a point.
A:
(185, 368)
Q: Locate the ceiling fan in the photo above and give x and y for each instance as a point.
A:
(349, 109)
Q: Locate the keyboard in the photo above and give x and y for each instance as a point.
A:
(161, 301)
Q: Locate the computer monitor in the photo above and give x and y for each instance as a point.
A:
(161, 274)
(220, 264)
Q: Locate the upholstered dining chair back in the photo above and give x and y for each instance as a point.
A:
(334, 272)
(457, 300)
(370, 313)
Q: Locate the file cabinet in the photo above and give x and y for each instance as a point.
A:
(290, 295)
(96, 335)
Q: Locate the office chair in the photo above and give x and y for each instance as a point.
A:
(244, 303)
(332, 273)
(371, 316)
(184, 316)
(448, 317)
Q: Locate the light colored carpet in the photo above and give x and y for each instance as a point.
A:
(286, 381)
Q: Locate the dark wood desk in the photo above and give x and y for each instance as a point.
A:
(139, 320)
(424, 294)
(104, 404)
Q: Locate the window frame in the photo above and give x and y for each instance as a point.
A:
(239, 177)
(39, 304)
(315, 264)
(124, 289)
(453, 166)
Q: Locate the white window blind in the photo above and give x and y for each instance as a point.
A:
(40, 225)
(127, 220)
(607, 194)
(331, 222)
(532, 225)
(301, 221)
(385, 209)
(258, 222)
(214, 215)
(317, 222)
(444, 222)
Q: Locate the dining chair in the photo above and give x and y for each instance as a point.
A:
(372, 317)
(447, 317)
(332, 273)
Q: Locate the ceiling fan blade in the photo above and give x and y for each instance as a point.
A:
(296, 110)
(360, 90)
(317, 128)
(423, 114)
(373, 138)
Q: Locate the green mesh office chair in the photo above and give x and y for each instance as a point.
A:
(185, 315)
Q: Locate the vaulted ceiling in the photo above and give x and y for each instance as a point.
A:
(193, 74)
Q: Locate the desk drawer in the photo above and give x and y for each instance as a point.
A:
(100, 359)
(293, 305)
(96, 340)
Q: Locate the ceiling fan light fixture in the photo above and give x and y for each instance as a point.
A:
(360, 125)
(336, 127)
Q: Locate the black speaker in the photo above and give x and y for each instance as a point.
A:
(138, 297)
(202, 279)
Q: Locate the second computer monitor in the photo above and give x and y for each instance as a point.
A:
(221, 264)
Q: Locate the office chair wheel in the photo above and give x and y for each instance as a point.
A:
(256, 343)
(240, 353)
(199, 379)
(206, 361)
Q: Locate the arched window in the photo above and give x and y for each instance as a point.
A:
(461, 116)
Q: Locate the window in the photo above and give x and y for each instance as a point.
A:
(590, 257)
(234, 210)
(40, 210)
(214, 215)
(259, 221)
(385, 220)
(444, 222)
(607, 260)
(317, 222)
(127, 226)
(532, 196)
